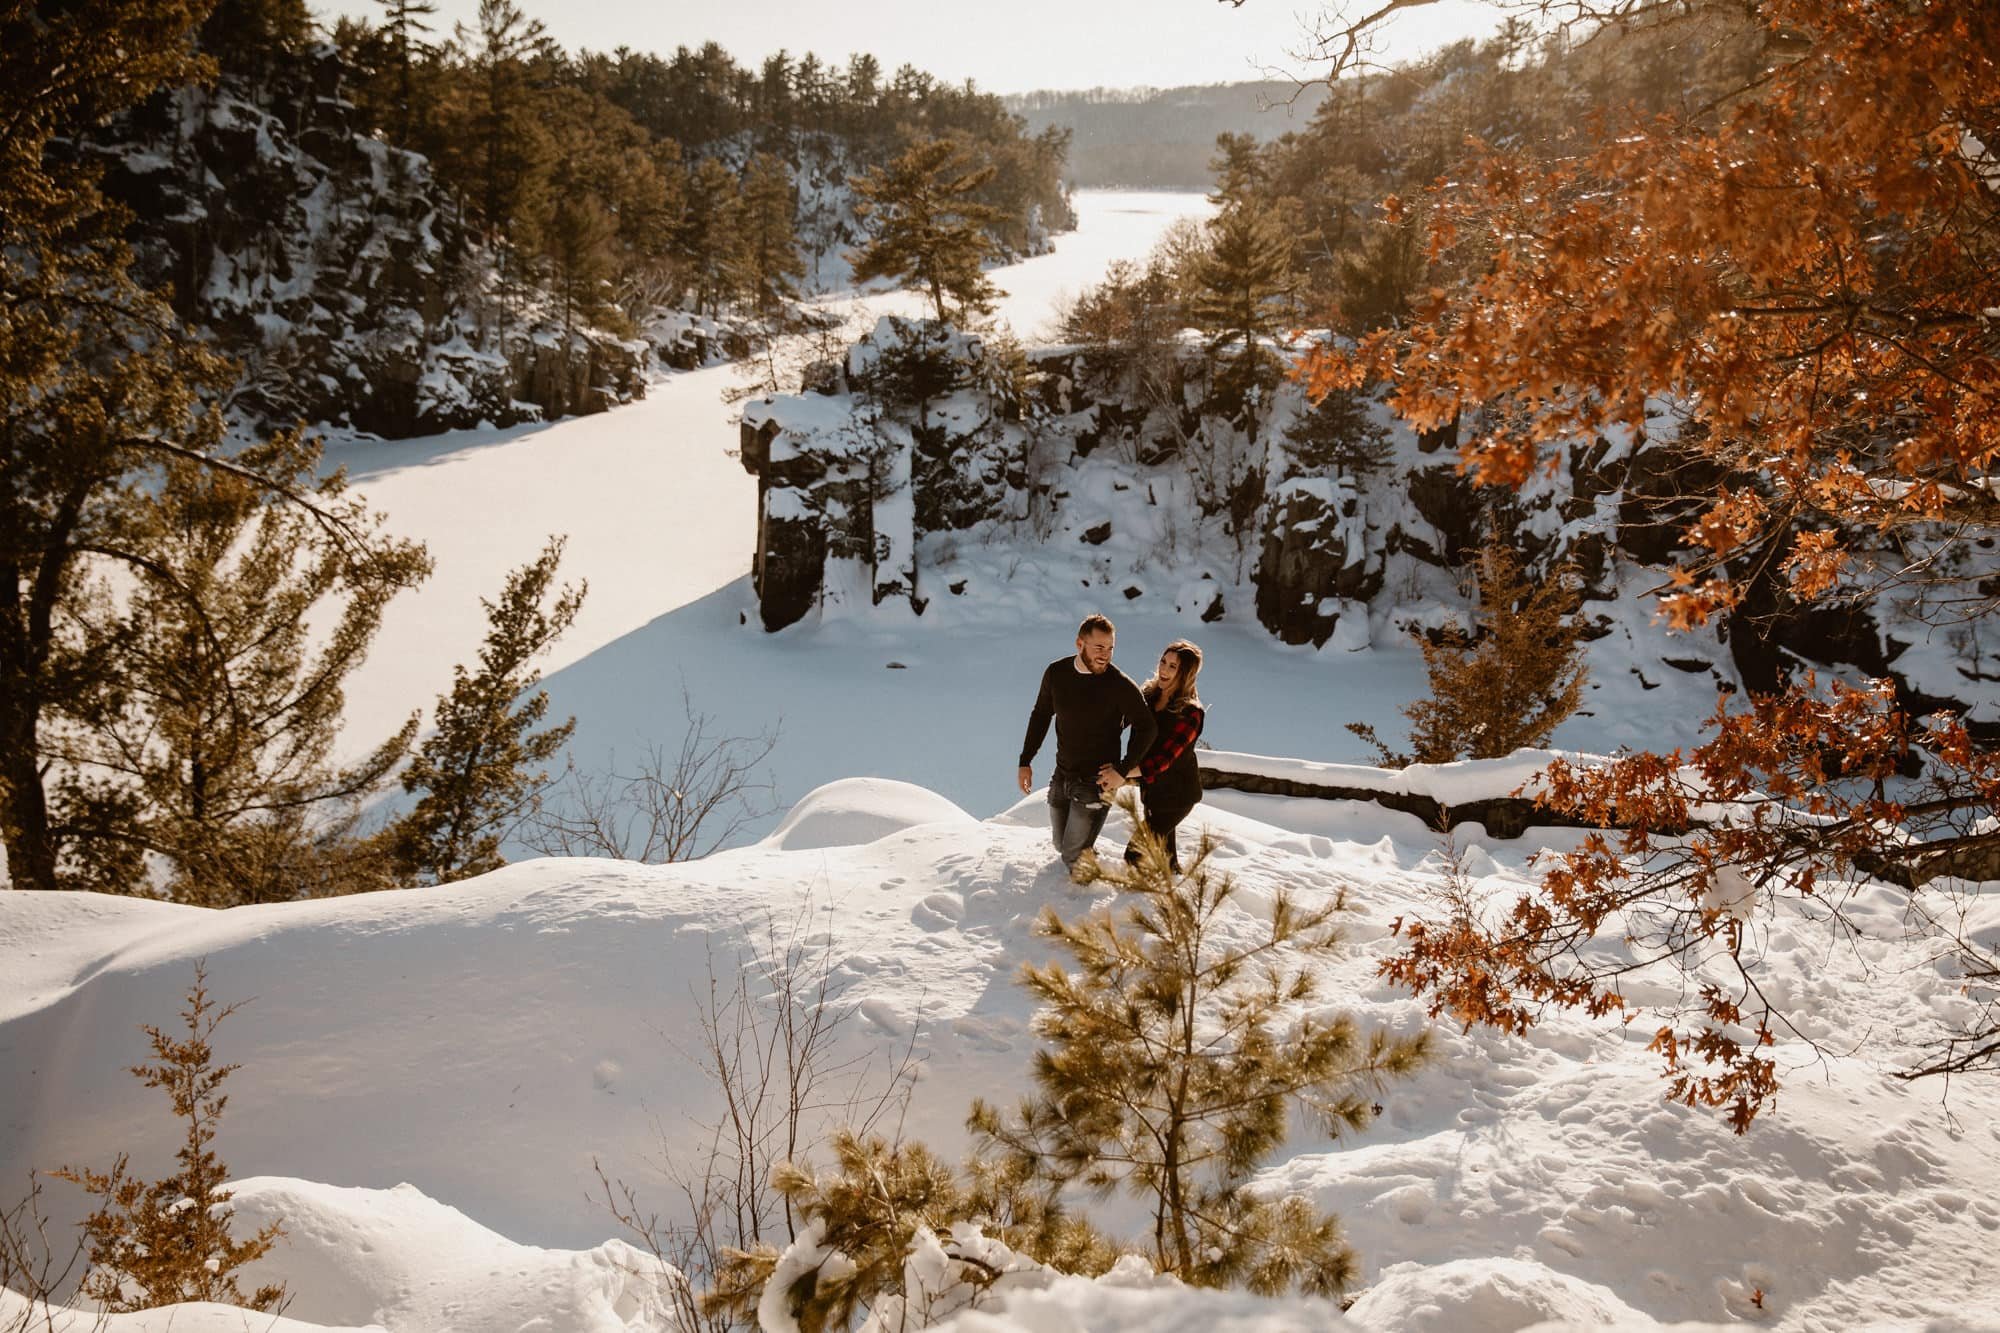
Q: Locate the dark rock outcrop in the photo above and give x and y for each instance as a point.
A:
(1315, 557)
(334, 269)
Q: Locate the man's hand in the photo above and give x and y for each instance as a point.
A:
(1027, 779)
(1109, 779)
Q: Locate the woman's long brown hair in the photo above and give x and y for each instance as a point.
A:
(1184, 691)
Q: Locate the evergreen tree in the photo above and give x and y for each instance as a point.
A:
(1241, 292)
(1239, 169)
(474, 770)
(929, 231)
(774, 109)
(770, 251)
(229, 708)
(1382, 269)
(863, 79)
(100, 390)
(881, 1237)
(1173, 1055)
(405, 24)
(250, 37)
(1338, 436)
(710, 240)
(813, 88)
(168, 1241)
(504, 125)
(580, 243)
(1513, 685)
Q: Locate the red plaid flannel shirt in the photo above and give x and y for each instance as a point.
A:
(1177, 733)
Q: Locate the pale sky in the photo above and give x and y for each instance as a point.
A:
(1009, 46)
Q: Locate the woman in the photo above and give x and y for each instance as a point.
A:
(1169, 777)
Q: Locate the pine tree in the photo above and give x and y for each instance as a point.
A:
(169, 1241)
(863, 79)
(930, 233)
(100, 389)
(474, 770)
(1337, 436)
(1239, 169)
(868, 1211)
(250, 37)
(710, 239)
(1514, 684)
(1241, 290)
(230, 703)
(580, 243)
(405, 24)
(880, 1235)
(505, 137)
(770, 252)
(1172, 1057)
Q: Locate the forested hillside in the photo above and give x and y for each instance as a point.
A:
(407, 230)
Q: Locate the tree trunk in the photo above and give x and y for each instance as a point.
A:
(24, 806)
(27, 631)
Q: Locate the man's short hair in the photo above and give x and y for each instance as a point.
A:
(1095, 623)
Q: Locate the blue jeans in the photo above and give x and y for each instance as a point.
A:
(1076, 814)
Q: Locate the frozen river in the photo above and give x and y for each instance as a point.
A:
(658, 513)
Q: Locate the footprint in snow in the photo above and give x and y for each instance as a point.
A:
(940, 911)
(884, 1016)
(978, 1032)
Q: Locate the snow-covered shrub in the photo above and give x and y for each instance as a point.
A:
(893, 1237)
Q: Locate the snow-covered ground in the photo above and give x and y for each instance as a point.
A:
(428, 1075)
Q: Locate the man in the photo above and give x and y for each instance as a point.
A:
(1091, 702)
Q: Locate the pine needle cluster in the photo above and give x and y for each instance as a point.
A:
(167, 1241)
(1176, 1051)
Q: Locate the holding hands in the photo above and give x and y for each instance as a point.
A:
(1109, 780)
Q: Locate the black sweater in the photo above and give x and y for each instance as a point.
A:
(1089, 712)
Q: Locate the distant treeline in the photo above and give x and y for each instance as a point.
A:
(1163, 138)
(627, 178)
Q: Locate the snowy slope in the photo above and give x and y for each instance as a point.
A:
(484, 1043)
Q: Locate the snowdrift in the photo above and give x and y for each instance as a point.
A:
(427, 1077)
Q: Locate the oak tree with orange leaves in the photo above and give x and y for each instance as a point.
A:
(1797, 281)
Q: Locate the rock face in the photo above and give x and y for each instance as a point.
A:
(1317, 562)
(1341, 527)
(335, 270)
(903, 438)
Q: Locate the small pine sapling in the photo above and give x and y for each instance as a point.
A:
(169, 1241)
(1338, 436)
(475, 776)
(1172, 1057)
(1513, 683)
